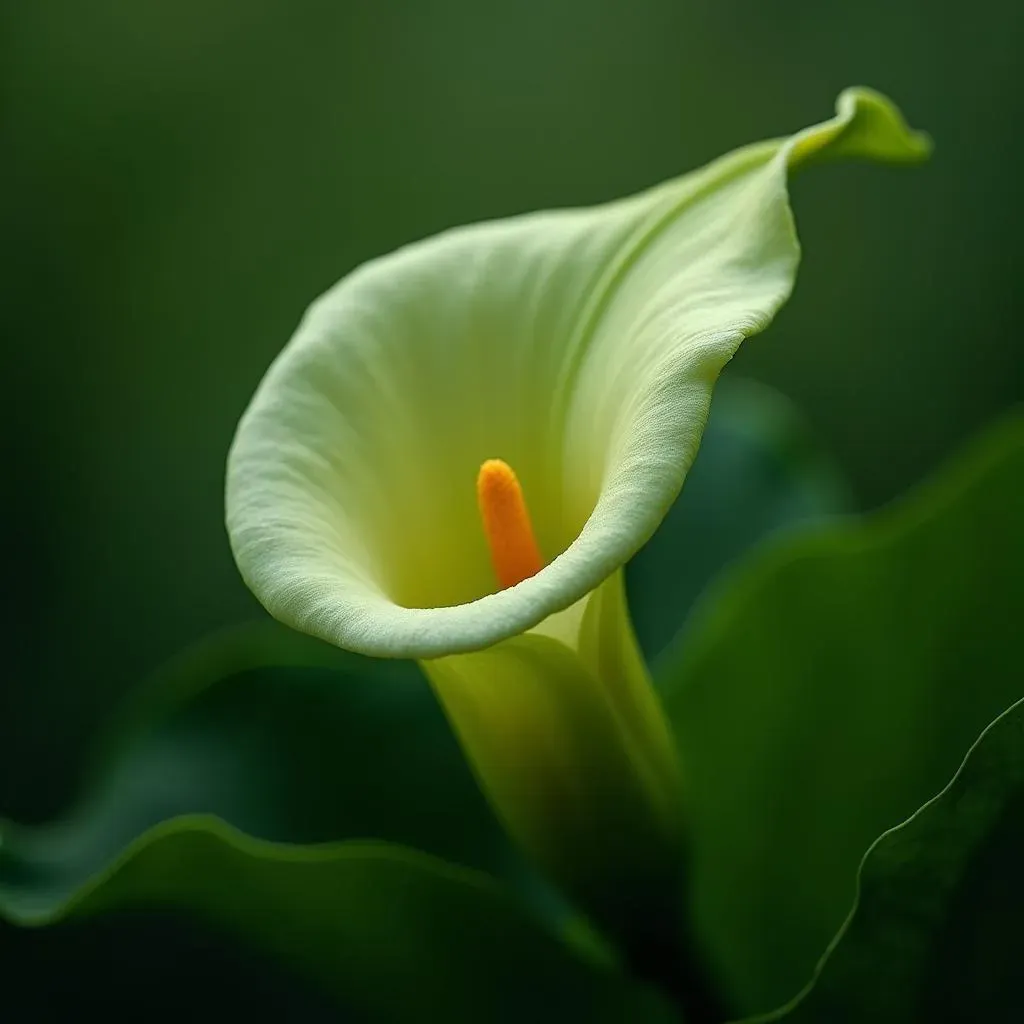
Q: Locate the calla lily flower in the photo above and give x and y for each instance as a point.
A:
(465, 441)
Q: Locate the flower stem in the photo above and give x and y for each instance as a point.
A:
(666, 958)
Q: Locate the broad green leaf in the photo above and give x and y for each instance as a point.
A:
(287, 739)
(827, 689)
(935, 934)
(395, 934)
(131, 958)
(759, 471)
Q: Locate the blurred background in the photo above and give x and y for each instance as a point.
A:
(182, 178)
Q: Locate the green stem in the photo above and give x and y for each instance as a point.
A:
(672, 964)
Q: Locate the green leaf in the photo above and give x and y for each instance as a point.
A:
(395, 934)
(291, 740)
(759, 471)
(935, 934)
(131, 958)
(287, 739)
(828, 689)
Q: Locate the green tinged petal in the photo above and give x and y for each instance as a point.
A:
(574, 753)
(608, 645)
(581, 346)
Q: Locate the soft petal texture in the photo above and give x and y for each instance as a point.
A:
(580, 346)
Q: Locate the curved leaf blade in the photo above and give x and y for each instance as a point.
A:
(829, 688)
(935, 932)
(287, 739)
(396, 934)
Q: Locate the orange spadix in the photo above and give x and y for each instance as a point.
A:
(514, 550)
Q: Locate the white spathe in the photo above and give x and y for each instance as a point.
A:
(580, 346)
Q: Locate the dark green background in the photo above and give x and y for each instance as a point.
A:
(181, 178)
